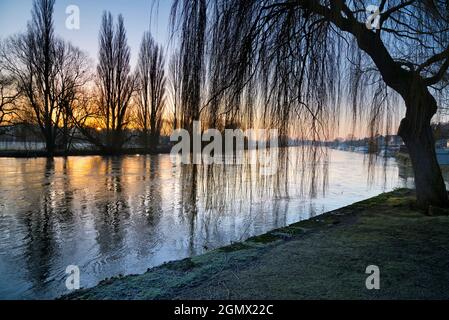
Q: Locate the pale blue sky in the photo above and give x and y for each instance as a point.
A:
(138, 15)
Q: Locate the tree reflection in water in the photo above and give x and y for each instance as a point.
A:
(123, 215)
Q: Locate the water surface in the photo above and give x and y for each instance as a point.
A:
(122, 215)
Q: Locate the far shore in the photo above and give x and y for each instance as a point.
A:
(72, 153)
(325, 257)
(161, 149)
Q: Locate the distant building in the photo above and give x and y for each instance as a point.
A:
(442, 143)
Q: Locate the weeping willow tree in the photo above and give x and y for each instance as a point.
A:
(192, 58)
(292, 65)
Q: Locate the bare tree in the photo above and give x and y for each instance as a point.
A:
(31, 59)
(115, 82)
(151, 90)
(300, 56)
(73, 75)
(45, 70)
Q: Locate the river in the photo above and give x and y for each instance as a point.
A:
(122, 215)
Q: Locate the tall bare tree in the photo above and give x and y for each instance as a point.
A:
(45, 70)
(115, 81)
(151, 90)
(74, 73)
(298, 57)
(31, 59)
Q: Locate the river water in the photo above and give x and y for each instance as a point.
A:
(122, 215)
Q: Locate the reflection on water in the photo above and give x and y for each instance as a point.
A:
(122, 215)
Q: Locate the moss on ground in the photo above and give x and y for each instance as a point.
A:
(234, 247)
(264, 238)
(181, 265)
(321, 258)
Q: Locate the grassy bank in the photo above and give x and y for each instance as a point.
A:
(322, 258)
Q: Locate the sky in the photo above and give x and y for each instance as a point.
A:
(139, 15)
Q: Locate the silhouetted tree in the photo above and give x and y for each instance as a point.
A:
(151, 90)
(293, 56)
(31, 59)
(115, 81)
(73, 75)
(45, 70)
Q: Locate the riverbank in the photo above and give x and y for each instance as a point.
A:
(322, 258)
(80, 153)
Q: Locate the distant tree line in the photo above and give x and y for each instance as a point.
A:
(48, 83)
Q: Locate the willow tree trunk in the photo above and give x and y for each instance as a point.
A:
(416, 131)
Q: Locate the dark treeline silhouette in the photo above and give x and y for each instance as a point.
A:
(303, 59)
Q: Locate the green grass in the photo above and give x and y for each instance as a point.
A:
(321, 258)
